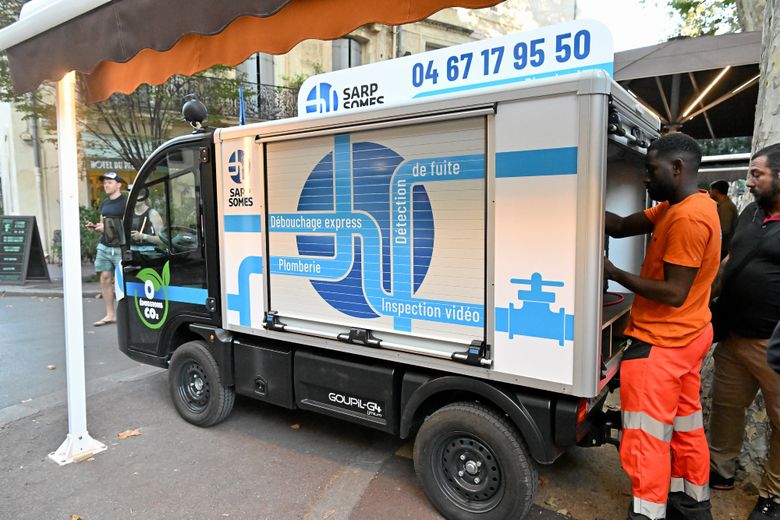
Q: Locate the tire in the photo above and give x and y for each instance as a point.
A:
(473, 464)
(196, 386)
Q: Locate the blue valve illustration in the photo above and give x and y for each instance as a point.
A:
(535, 318)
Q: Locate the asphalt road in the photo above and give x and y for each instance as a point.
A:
(31, 340)
(262, 462)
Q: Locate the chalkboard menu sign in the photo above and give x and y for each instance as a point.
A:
(21, 254)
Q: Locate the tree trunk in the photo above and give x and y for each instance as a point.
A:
(767, 127)
(750, 14)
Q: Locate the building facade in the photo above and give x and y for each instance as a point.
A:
(28, 165)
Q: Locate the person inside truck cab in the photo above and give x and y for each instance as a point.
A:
(146, 224)
(670, 333)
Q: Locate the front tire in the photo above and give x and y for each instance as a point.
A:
(196, 386)
(473, 464)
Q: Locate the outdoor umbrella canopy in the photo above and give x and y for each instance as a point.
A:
(119, 44)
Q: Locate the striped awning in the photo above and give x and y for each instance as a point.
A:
(117, 45)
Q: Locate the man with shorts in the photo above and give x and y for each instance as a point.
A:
(109, 252)
(663, 448)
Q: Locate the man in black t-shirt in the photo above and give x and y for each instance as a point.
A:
(751, 295)
(109, 253)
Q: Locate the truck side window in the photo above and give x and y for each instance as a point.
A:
(183, 206)
(150, 219)
(165, 219)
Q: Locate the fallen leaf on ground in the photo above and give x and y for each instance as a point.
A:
(75, 517)
(328, 514)
(295, 426)
(135, 432)
(51, 367)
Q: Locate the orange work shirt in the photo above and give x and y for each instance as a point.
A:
(686, 234)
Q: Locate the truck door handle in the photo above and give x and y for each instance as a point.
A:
(131, 269)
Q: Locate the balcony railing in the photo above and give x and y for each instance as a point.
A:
(262, 102)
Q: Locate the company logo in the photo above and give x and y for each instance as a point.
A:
(236, 166)
(322, 98)
(373, 166)
(365, 406)
(360, 96)
(152, 306)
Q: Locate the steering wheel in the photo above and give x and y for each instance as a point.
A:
(183, 238)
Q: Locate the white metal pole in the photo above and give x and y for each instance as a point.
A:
(78, 445)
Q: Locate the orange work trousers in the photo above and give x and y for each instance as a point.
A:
(661, 409)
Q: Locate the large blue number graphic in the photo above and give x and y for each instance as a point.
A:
(431, 73)
(452, 68)
(467, 58)
(562, 47)
(582, 44)
(568, 46)
(521, 55)
(537, 53)
(417, 74)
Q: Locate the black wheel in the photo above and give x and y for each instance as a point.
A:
(196, 385)
(473, 464)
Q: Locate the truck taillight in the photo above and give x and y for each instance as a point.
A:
(582, 415)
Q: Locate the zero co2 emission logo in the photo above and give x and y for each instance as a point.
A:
(152, 306)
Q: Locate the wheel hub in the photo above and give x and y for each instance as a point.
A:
(193, 387)
(469, 473)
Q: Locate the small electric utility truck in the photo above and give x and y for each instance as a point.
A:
(420, 252)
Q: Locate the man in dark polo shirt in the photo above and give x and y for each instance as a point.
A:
(109, 253)
(751, 295)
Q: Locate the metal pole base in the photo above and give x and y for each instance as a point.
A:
(76, 448)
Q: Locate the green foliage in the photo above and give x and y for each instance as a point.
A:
(296, 80)
(9, 13)
(726, 145)
(706, 17)
(89, 238)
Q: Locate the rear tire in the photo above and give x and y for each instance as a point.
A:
(473, 464)
(196, 386)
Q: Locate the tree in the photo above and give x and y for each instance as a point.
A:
(9, 12)
(706, 17)
(767, 126)
(131, 126)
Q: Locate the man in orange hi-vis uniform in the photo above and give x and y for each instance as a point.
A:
(670, 333)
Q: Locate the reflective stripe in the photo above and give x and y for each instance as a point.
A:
(689, 423)
(642, 421)
(650, 509)
(698, 493)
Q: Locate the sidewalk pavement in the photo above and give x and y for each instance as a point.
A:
(53, 288)
(263, 462)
